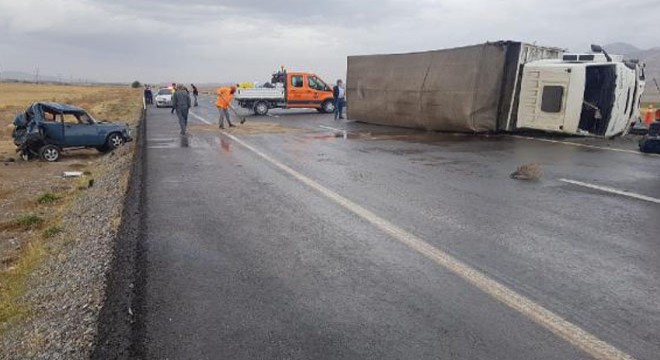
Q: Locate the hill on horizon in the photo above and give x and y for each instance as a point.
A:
(651, 57)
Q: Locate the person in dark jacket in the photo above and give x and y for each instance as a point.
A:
(195, 93)
(339, 93)
(148, 95)
(181, 104)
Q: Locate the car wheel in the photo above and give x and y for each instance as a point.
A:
(328, 107)
(49, 153)
(261, 108)
(115, 140)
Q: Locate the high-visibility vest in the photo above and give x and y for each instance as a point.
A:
(224, 97)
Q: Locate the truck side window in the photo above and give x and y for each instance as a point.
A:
(315, 84)
(552, 98)
(297, 81)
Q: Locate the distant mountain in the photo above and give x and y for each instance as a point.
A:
(651, 57)
(23, 76)
(621, 48)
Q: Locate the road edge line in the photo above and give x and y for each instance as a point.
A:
(582, 145)
(545, 318)
(611, 190)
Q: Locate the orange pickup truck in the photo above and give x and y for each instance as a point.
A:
(288, 90)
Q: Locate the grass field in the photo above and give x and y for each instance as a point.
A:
(33, 195)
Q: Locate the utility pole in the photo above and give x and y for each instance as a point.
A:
(36, 75)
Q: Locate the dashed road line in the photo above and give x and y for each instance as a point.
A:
(612, 190)
(582, 145)
(554, 323)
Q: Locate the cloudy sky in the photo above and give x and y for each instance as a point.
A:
(245, 40)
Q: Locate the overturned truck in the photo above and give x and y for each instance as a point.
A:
(497, 86)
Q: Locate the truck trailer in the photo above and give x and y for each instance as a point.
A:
(499, 86)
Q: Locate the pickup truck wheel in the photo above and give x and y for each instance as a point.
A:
(328, 107)
(49, 153)
(261, 108)
(115, 140)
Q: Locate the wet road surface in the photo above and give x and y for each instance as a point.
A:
(251, 256)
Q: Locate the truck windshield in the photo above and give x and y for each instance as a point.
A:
(164, 92)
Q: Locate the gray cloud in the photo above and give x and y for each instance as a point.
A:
(209, 41)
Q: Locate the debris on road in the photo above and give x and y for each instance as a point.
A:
(528, 172)
(72, 174)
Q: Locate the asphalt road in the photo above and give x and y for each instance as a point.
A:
(387, 244)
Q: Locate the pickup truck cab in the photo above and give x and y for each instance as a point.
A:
(288, 90)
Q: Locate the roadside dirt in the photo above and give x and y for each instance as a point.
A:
(34, 197)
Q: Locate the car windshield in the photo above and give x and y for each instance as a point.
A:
(86, 119)
(164, 92)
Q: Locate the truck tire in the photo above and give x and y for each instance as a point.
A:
(328, 107)
(261, 108)
(50, 153)
(114, 141)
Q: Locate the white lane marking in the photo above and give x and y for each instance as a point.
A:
(341, 131)
(582, 145)
(330, 128)
(564, 329)
(200, 118)
(612, 190)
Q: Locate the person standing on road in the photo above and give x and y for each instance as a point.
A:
(181, 104)
(339, 93)
(195, 93)
(225, 97)
(148, 95)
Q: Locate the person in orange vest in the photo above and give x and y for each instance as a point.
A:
(650, 116)
(225, 97)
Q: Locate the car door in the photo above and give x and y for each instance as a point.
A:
(53, 129)
(77, 133)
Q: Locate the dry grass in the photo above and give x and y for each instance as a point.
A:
(33, 195)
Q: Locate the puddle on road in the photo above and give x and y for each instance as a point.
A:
(178, 142)
(249, 128)
(183, 141)
(225, 144)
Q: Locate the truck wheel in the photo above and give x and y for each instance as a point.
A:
(328, 107)
(114, 141)
(49, 153)
(261, 108)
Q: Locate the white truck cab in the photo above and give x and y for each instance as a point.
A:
(582, 94)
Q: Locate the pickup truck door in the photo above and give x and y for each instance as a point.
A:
(543, 98)
(321, 91)
(300, 94)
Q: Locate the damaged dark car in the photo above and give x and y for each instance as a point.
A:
(47, 128)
